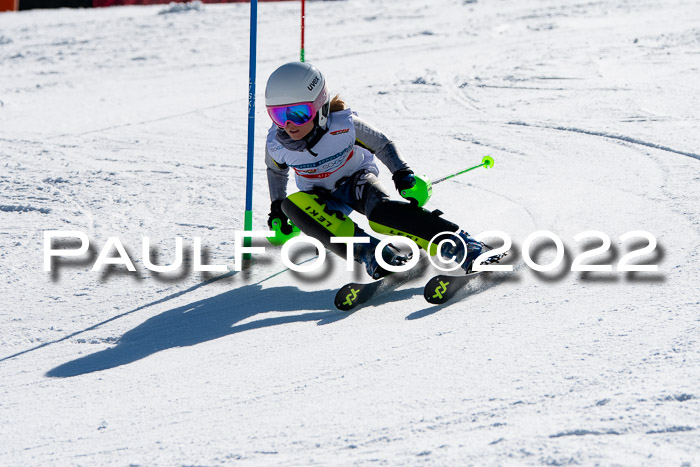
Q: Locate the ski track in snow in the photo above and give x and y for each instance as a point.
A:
(144, 122)
(626, 139)
(121, 315)
(131, 121)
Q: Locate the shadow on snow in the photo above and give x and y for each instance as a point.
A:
(206, 320)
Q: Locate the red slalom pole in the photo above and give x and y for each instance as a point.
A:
(303, 15)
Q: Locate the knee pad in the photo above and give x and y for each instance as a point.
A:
(309, 212)
(406, 220)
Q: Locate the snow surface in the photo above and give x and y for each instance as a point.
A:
(131, 121)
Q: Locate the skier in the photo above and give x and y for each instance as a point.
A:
(332, 152)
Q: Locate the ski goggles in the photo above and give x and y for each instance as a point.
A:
(298, 114)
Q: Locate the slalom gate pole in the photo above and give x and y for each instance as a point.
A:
(248, 220)
(486, 162)
(303, 15)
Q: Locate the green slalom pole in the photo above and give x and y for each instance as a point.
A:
(486, 162)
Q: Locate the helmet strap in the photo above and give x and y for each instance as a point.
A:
(315, 135)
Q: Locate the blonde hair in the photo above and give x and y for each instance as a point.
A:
(337, 104)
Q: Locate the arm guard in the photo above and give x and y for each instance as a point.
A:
(277, 177)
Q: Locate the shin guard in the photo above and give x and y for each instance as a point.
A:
(309, 212)
(406, 220)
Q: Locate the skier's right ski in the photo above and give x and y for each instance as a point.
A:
(353, 294)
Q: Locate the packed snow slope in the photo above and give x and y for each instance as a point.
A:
(132, 122)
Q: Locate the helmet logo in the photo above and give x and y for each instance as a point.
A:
(313, 83)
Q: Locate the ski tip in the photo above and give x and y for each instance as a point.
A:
(347, 297)
(437, 290)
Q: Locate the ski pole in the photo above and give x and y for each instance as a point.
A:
(486, 162)
(422, 190)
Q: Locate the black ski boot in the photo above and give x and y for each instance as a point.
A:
(390, 254)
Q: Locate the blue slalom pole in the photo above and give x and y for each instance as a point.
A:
(248, 220)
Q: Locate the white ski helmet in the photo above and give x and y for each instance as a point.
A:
(295, 83)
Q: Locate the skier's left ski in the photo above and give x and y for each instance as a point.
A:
(441, 288)
(354, 294)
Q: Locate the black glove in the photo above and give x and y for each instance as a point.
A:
(277, 213)
(403, 179)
